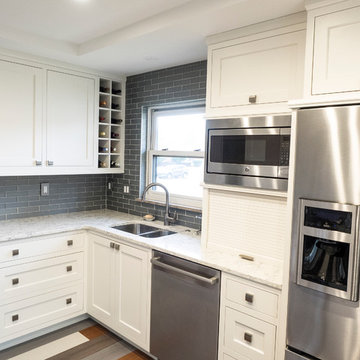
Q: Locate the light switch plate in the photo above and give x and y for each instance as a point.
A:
(44, 189)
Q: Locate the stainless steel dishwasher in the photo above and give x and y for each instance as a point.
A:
(185, 299)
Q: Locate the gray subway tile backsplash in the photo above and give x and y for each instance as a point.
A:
(67, 194)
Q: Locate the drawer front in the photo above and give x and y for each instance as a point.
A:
(228, 357)
(40, 276)
(24, 315)
(251, 297)
(249, 337)
(14, 250)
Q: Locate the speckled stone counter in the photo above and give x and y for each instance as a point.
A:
(185, 243)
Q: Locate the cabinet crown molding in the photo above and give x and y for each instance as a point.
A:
(315, 4)
(282, 22)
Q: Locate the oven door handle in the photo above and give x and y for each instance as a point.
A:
(156, 261)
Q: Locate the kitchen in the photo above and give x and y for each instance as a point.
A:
(85, 128)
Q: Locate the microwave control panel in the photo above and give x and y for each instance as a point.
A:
(284, 150)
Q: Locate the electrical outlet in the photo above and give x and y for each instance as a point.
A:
(44, 189)
(126, 189)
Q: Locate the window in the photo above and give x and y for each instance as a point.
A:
(175, 156)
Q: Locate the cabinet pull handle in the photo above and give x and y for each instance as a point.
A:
(15, 252)
(252, 99)
(249, 298)
(70, 243)
(38, 162)
(50, 163)
(117, 247)
(69, 268)
(68, 301)
(112, 245)
(15, 281)
(248, 337)
(15, 317)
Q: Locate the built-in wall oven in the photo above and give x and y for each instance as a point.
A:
(323, 305)
(248, 151)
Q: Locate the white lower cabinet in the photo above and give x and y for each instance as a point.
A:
(119, 288)
(133, 297)
(41, 283)
(248, 320)
(101, 279)
(21, 317)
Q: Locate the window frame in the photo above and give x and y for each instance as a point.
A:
(151, 153)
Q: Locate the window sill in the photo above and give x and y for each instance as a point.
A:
(173, 206)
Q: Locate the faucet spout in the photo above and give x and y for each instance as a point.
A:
(167, 218)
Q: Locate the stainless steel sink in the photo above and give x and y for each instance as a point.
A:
(144, 230)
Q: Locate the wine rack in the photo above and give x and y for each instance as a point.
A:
(111, 126)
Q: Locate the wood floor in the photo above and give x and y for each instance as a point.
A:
(85, 340)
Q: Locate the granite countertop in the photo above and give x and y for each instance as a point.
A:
(185, 243)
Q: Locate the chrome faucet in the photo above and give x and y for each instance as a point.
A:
(168, 220)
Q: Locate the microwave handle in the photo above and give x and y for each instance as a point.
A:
(245, 132)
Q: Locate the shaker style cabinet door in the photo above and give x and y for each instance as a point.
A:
(263, 71)
(336, 52)
(20, 115)
(133, 300)
(101, 278)
(70, 120)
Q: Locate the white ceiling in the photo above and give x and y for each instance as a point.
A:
(127, 36)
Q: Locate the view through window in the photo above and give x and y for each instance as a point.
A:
(176, 153)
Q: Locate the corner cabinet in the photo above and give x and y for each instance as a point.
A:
(333, 48)
(70, 107)
(119, 288)
(257, 71)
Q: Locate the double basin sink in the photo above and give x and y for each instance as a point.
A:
(144, 230)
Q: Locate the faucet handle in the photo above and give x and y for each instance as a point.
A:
(172, 219)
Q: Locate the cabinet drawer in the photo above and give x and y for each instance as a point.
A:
(16, 250)
(22, 316)
(31, 278)
(251, 297)
(228, 357)
(252, 338)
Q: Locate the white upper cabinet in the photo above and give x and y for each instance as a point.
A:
(50, 119)
(20, 115)
(70, 120)
(256, 73)
(333, 48)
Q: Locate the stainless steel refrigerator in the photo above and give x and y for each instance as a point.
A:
(323, 308)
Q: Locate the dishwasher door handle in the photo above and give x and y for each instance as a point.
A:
(156, 261)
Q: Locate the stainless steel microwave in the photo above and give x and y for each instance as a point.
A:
(248, 151)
